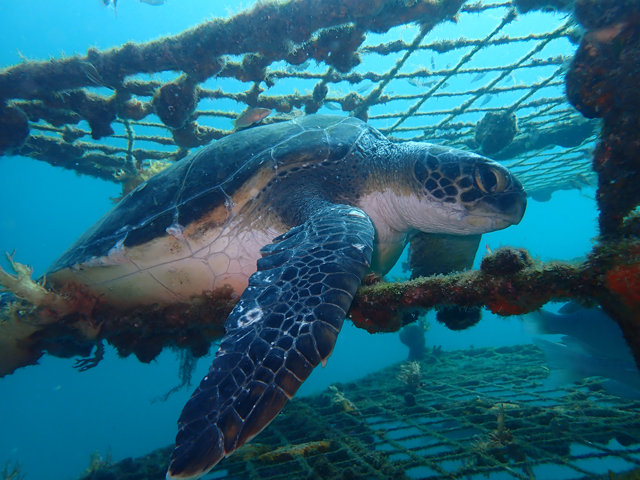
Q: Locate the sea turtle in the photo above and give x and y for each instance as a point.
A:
(291, 215)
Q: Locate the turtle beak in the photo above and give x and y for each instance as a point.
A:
(499, 211)
(510, 204)
(517, 202)
(513, 206)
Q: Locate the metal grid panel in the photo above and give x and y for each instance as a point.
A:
(448, 426)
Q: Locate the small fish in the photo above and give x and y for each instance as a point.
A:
(571, 360)
(566, 64)
(573, 183)
(295, 113)
(299, 68)
(582, 178)
(332, 106)
(433, 63)
(478, 77)
(415, 82)
(591, 326)
(430, 83)
(365, 88)
(153, 2)
(251, 116)
(92, 74)
(569, 308)
(111, 3)
(487, 99)
(593, 345)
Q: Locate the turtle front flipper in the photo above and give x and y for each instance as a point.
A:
(441, 254)
(285, 323)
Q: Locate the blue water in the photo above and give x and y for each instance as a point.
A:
(51, 416)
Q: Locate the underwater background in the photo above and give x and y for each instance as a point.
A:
(52, 417)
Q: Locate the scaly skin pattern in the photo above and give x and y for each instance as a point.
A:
(285, 324)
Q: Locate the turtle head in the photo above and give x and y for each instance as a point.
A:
(459, 192)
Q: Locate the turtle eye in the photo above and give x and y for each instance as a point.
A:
(490, 179)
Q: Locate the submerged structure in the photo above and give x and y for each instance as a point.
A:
(92, 113)
(477, 413)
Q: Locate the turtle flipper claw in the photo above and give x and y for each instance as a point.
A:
(285, 324)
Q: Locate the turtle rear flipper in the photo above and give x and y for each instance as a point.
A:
(285, 323)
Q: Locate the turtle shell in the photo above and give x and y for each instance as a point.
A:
(186, 192)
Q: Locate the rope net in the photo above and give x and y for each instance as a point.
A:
(127, 113)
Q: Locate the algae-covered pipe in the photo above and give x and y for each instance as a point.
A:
(510, 282)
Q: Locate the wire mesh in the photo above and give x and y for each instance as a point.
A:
(444, 424)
